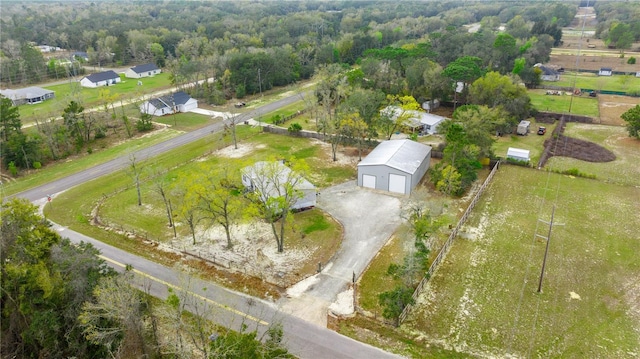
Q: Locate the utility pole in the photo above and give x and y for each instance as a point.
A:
(546, 250)
(260, 82)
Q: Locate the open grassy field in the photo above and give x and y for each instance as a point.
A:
(579, 105)
(91, 97)
(588, 80)
(483, 299)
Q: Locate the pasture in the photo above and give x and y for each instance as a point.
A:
(483, 300)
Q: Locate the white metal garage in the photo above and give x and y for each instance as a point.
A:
(395, 166)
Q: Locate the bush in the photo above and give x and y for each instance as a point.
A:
(37, 165)
(631, 60)
(295, 128)
(575, 173)
(13, 169)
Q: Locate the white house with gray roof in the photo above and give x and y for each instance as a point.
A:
(420, 122)
(271, 180)
(395, 166)
(28, 95)
(140, 71)
(176, 102)
(105, 78)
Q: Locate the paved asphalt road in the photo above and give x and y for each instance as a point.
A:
(155, 150)
(303, 339)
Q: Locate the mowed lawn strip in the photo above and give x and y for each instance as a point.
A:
(74, 164)
(588, 80)
(577, 105)
(483, 298)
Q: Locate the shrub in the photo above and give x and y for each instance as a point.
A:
(37, 165)
(295, 128)
(631, 60)
(13, 169)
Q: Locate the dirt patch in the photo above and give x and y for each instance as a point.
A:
(578, 149)
(612, 107)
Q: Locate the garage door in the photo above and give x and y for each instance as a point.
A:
(369, 181)
(397, 183)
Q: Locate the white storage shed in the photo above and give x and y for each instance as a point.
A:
(518, 154)
(395, 166)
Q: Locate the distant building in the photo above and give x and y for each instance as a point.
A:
(140, 71)
(168, 104)
(548, 74)
(419, 122)
(28, 95)
(605, 71)
(105, 78)
(79, 55)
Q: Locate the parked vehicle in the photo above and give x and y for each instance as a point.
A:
(542, 130)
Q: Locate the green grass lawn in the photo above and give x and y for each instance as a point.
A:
(532, 142)
(587, 80)
(118, 200)
(578, 105)
(91, 97)
(72, 165)
(483, 298)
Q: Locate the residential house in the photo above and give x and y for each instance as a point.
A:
(395, 166)
(80, 55)
(105, 78)
(419, 122)
(168, 104)
(140, 71)
(270, 179)
(28, 95)
(548, 74)
(605, 71)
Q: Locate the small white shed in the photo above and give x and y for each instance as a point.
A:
(518, 154)
(395, 166)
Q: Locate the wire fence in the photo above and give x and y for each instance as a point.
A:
(447, 245)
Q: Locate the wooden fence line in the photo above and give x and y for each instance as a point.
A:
(445, 249)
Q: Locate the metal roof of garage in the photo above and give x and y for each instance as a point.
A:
(403, 155)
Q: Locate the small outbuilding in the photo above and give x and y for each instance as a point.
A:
(518, 154)
(395, 166)
(523, 128)
(176, 102)
(605, 71)
(140, 71)
(269, 180)
(27, 95)
(105, 78)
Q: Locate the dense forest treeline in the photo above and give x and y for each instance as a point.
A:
(309, 33)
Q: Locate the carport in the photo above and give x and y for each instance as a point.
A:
(395, 166)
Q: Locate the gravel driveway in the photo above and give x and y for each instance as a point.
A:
(369, 218)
